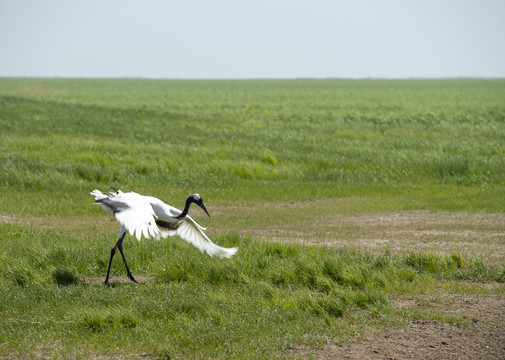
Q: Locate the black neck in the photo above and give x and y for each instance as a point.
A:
(189, 200)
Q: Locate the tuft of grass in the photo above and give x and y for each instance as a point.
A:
(457, 260)
(65, 277)
(268, 158)
(422, 262)
(452, 167)
(477, 271)
(100, 320)
(21, 275)
(426, 262)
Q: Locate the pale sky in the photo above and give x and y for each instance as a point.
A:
(229, 39)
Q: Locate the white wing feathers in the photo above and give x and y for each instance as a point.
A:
(187, 229)
(137, 214)
(138, 222)
(196, 237)
(132, 210)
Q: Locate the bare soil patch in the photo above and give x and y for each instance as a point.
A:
(482, 337)
(479, 235)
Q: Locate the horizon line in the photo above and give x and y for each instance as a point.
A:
(301, 78)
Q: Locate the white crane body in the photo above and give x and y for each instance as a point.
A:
(144, 215)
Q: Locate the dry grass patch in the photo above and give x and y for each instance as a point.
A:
(479, 235)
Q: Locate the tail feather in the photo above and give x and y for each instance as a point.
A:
(99, 195)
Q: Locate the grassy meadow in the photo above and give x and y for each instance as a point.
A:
(261, 145)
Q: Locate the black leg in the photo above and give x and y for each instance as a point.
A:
(112, 253)
(128, 272)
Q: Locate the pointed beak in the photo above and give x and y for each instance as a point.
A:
(204, 208)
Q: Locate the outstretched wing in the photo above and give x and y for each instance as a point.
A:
(187, 229)
(132, 210)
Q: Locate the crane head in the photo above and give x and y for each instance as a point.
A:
(197, 199)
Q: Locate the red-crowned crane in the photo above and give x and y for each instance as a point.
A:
(145, 215)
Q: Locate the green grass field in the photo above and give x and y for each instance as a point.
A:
(368, 146)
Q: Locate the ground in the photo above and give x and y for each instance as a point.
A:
(481, 336)
(479, 235)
